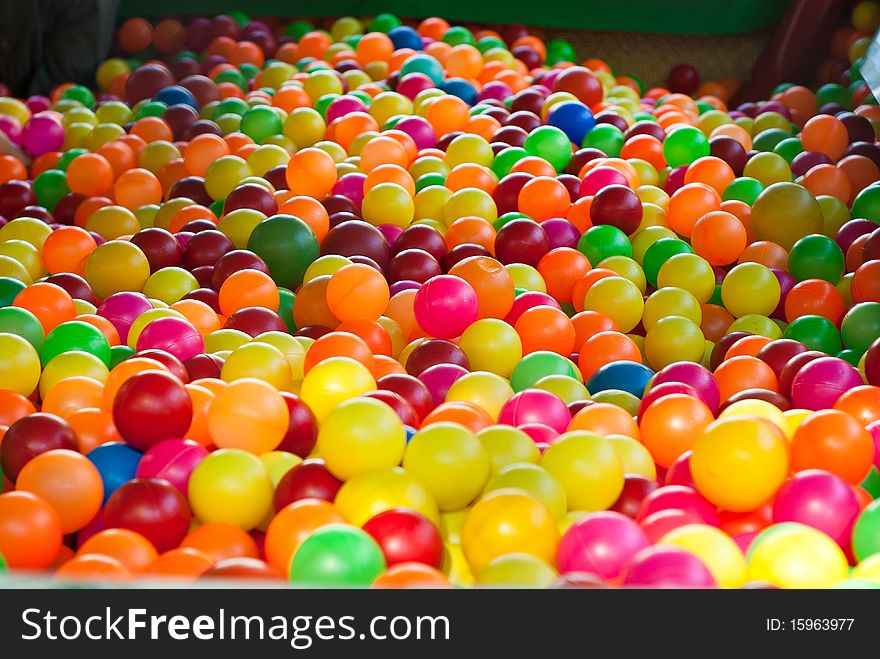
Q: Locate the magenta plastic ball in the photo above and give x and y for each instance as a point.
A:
(600, 543)
(351, 186)
(667, 567)
(526, 301)
(819, 499)
(658, 524)
(679, 497)
(656, 392)
(535, 406)
(419, 129)
(173, 335)
(445, 306)
(560, 233)
(439, 378)
(41, 134)
(540, 433)
(819, 384)
(695, 375)
(598, 178)
(874, 429)
(122, 309)
(173, 460)
(679, 473)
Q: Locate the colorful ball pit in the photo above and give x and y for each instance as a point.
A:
(379, 307)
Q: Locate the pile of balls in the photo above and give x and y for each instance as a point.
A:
(383, 305)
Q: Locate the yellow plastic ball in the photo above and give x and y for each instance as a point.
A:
(619, 299)
(450, 461)
(224, 174)
(671, 301)
(485, 390)
(333, 381)
(506, 445)
(739, 464)
(689, 272)
(388, 203)
(714, 548)
(587, 467)
(19, 364)
(566, 388)
(532, 479)
(359, 435)
(793, 555)
(261, 361)
(117, 266)
(508, 521)
(231, 486)
(170, 284)
(759, 408)
(674, 339)
(70, 364)
(225, 339)
(305, 127)
(636, 458)
(517, 571)
(527, 277)
(372, 492)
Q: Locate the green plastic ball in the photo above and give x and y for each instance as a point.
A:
(287, 245)
(866, 532)
(49, 187)
(119, 354)
(540, 364)
(76, 335)
(815, 332)
(551, 144)
(745, 189)
(9, 290)
(23, 323)
(861, 326)
(659, 253)
(816, 257)
(337, 556)
(260, 122)
(607, 138)
(603, 240)
(684, 145)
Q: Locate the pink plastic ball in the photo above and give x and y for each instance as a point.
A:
(819, 384)
(173, 335)
(445, 305)
(658, 391)
(680, 471)
(439, 378)
(695, 375)
(874, 429)
(351, 186)
(172, 459)
(667, 567)
(819, 499)
(601, 543)
(122, 309)
(526, 301)
(535, 406)
(599, 178)
(412, 83)
(541, 433)
(41, 134)
(658, 524)
(419, 129)
(679, 498)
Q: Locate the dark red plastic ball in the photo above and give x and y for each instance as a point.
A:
(29, 437)
(152, 507)
(308, 480)
(302, 431)
(151, 406)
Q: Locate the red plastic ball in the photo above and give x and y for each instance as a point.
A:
(152, 406)
(29, 437)
(309, 479)
(406, 536)
(302, 432)
(152, 507)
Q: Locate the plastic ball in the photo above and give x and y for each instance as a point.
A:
(30, 531)
(820, 500)
(230, 486)
(582, 457)
(667, 567)
(740, 463)
(793, 555)
(507, 521)
(151, 406)
(339, 556)
(151, 507)
(406, 536)
(720, 554)
(248, 414)
(601, 543)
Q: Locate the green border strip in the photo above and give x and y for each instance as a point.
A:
(670, 17)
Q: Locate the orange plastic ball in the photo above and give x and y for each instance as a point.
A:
(719, 237)
(310, 305)
(248, 414)
(69, 482)
(492, 283)
(66, 247)
(826, 134)
(93, 427)
(545, 328)
(131, 549)
(292, 525)
(221, 541)
(201, 151)
(311, 172)
(30, 531)
(671, 424)
(71, 395)
(136, 188)
(605, 419)
(411, 575)
(338, 344)
(90, 174)
(357, 292)
(51, 304)
(861, 403)
(834, 441)
(688, 204)
(561, 268)
(466, 414)
(605, 347)
(93, 568)
(543, 198)
(248, 288)
(744, 372)
(180, 564)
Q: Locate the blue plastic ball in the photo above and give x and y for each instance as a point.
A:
(117, 464)
(572, 118)
(628, 376)
(405, 37)
(461, 88)
(177, 95)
